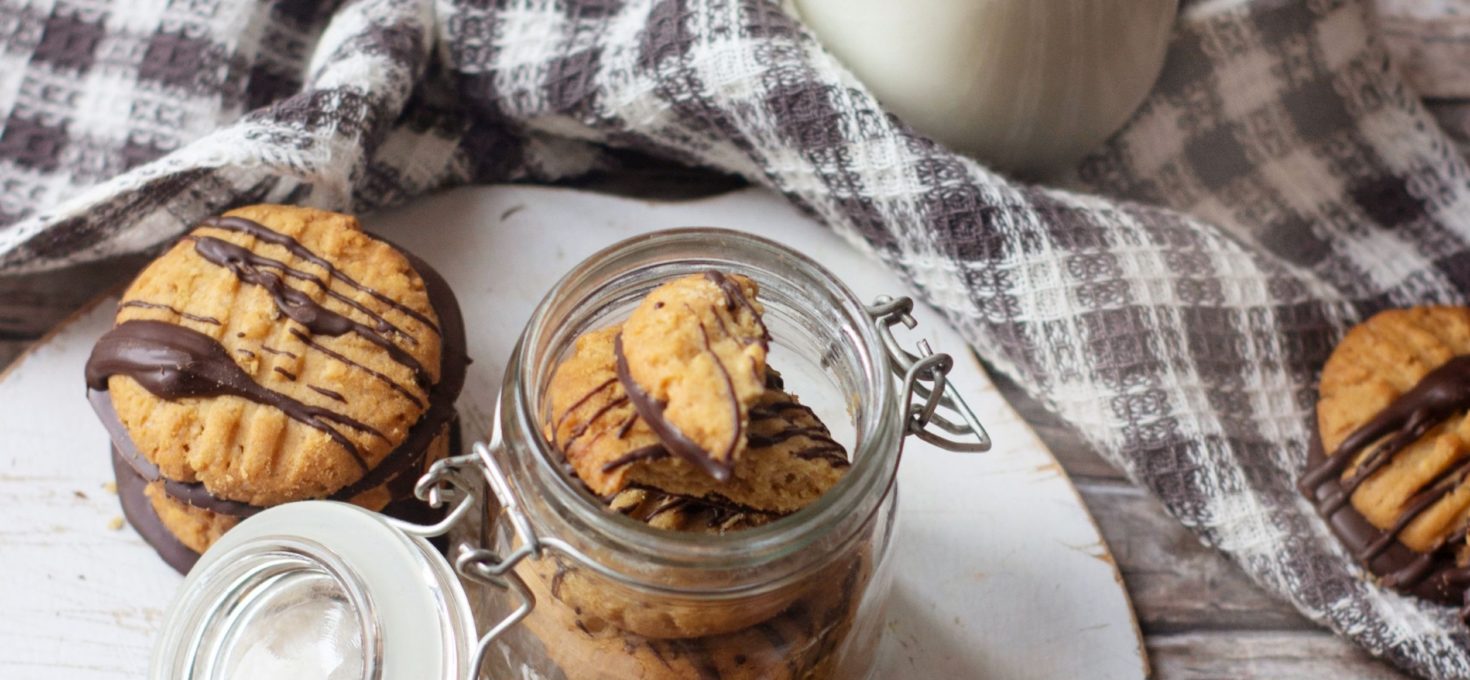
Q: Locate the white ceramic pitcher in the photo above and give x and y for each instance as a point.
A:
(1025, 86)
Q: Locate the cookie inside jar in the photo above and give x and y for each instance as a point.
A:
(714, 441)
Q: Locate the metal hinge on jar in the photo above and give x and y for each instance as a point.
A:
(931, 402)
(449, 481)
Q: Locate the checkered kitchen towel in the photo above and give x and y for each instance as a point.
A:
(1282, 182)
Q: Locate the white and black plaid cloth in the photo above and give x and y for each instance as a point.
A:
(1282, 182)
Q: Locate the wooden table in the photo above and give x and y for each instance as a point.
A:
(1202, 617)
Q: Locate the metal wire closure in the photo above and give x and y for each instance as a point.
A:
(449, 481)
(925, 376)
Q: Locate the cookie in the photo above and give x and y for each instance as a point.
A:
(687, 369)
(1389, 466)
(601, 602)
(798, 641)
(198, 528)
(791, 461)
(276, 354)
(790, 458)
(692, 359)
(682, 512)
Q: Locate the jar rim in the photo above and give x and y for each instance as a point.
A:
(367, 561)
(877, 438)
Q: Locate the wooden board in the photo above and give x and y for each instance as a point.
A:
(1000, 570)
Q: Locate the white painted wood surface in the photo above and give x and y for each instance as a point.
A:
(1001, 572)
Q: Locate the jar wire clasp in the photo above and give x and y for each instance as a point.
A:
(450, 481)
(926, 388)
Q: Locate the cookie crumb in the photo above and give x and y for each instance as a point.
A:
(115, 524)
(110, 487)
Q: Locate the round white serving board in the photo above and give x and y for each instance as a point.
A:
(1000, 571)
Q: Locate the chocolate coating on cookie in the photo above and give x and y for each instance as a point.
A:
(1433, 574)
(145, 521)
(790, 458)
(173, 373)
(1398, 469)
(174, 362)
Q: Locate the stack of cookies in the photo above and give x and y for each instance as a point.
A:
(674, 419)
(274, 354)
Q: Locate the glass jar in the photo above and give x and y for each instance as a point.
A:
(567, 589)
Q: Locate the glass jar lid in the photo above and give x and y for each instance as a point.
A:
(318, 589)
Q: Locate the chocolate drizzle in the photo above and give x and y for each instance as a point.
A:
(818, 434)
(278, 352)
(268, 235)
(330, 394)
(144, 304)
(297, 305)
(627, 424)
(377, 375)
(150, 357)
(715, 510)
(556, 427)
(173, 362)
(735, 298)
(652, 412)
(823, 446)
(650, 452)
(765, 411)
(1433, 574)
(581, 429)
(834, 454)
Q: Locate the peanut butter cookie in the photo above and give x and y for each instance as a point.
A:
(276, 354)
(692, 358)
(796, 642)
(790, 458)
(1389, 469)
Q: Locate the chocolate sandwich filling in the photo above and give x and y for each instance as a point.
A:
(145, 521)
(174, 362)
(1434, 574)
